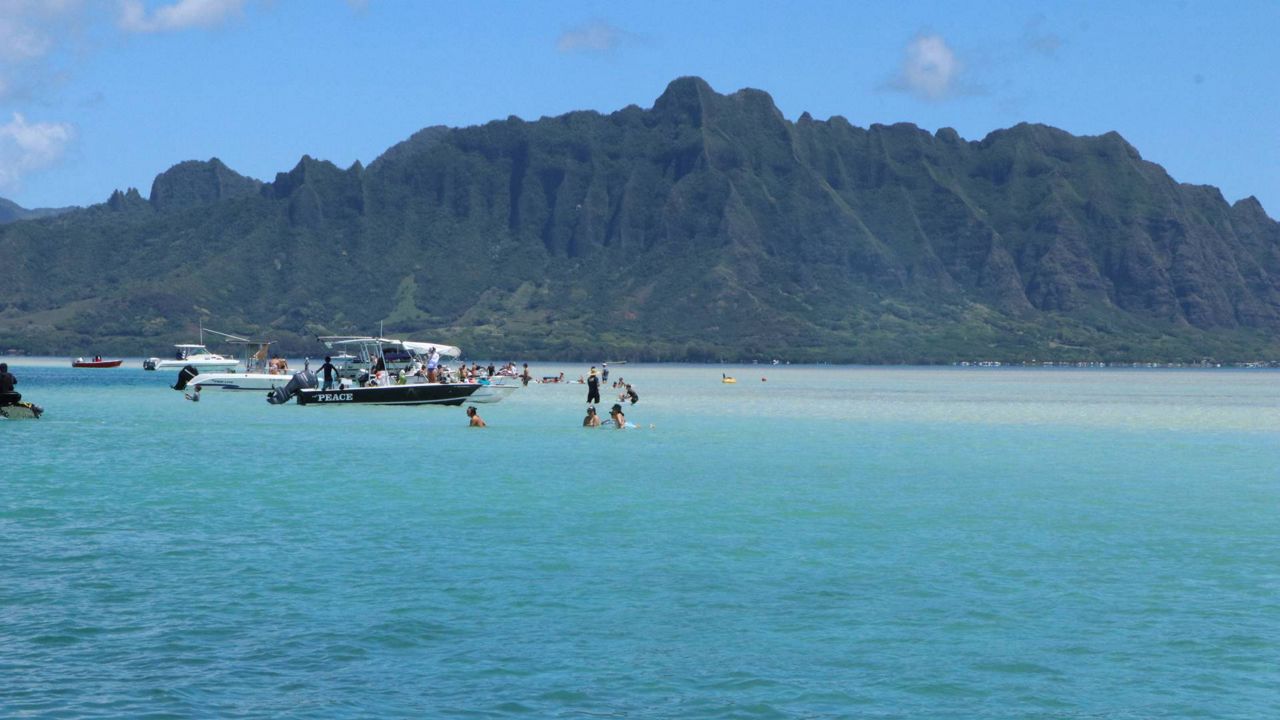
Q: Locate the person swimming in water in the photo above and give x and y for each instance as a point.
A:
(617, 416)
(475, 421)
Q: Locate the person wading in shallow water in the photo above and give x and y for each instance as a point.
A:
(593, 387)
(592, 420)
(476, 421)
(618, 418)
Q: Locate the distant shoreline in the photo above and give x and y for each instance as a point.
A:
(135, 362)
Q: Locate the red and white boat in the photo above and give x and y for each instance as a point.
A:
(95, 363)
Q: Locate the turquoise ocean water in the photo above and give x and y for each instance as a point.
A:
(834, 542)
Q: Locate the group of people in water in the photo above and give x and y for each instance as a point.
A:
(593, 379)
(616, 417)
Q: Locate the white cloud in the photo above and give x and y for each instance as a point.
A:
(178, 15)
(930, 69)
(595, 36)
(27, 147)
(31, 34)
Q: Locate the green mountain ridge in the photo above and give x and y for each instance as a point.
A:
(706, 227)
(11, 212)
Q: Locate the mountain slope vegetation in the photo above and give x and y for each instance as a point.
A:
(705, 227)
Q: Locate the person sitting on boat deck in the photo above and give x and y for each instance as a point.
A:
(8, 396)
(329, 371)
(97, 358)
(592, 420)
(475, 418)
(632, 394)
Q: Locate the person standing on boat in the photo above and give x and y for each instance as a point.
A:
(8, 396)
(476, 421)
(329, 371)
(593, 387)
(433, 364)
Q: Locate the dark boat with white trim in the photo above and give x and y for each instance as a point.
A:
(302, 387)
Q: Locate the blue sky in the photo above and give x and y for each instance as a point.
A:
(103, 94)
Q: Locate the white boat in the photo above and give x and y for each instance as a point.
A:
(492, 392)
(196, 355)
(262, 372)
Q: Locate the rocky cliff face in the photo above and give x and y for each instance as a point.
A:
(706, 226)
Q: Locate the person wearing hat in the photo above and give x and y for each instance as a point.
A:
(593, 387)
(615, 414)
(604, 372)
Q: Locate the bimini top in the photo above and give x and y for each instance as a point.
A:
(419, 348)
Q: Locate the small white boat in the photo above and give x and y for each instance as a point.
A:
(193, 354)
(196, 355)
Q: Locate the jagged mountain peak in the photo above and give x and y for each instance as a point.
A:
(706, 226)
(194, 182)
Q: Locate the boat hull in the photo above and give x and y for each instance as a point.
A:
(201, 365)
(21, 411)
(95, 363)
(419, 394)
(492, 393)
(237, 381)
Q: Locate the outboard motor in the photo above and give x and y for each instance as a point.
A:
(304, 380)
(185, 375)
